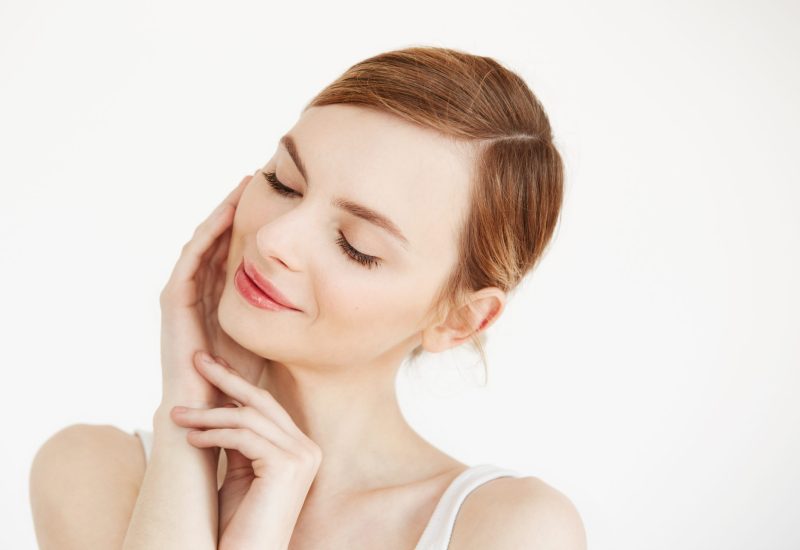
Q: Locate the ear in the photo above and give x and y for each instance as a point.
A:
(478, 313)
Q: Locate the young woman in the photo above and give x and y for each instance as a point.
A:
(411, 196)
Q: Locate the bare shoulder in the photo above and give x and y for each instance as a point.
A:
(83, 483)
(510, 513)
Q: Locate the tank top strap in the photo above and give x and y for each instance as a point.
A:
(437, 533)
(146, 437)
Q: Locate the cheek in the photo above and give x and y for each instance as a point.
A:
(342, 297)
(368, 304)
(254, 204)
(252, 212)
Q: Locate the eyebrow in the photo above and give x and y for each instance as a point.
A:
(359, 210)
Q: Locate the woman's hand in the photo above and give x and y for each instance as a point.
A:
(189, 304)
(271, 462)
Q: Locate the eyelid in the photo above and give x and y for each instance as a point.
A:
(279, 187)
(349, 250)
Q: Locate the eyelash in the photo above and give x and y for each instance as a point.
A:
(368, 261)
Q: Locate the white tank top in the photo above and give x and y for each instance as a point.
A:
(437, 533)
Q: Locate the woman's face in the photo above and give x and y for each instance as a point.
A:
(352, 313)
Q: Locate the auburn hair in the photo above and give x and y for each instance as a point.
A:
(517, 187)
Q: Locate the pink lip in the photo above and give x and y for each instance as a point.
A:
(266, 287)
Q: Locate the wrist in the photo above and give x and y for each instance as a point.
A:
(168, 434)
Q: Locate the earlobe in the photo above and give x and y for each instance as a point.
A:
(434, 339)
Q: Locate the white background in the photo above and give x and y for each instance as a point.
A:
(648, 368)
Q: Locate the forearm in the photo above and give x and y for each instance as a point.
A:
(177, 505)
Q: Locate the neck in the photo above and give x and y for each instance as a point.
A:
(355, 419)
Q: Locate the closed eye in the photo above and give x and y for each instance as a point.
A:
(363, 259)
(278, 186)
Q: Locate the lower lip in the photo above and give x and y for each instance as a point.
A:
(254, 295)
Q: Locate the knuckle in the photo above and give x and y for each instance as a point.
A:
(165, 296)
(281, 458)
(168, 297)
(254, 438)
(246, 415)
(310, 445)
(315, 456)
(200, 228)
(294, 463)
(307, 454)
(263, 396)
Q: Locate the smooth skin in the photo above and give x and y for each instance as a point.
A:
(271, 463)
(327, 388)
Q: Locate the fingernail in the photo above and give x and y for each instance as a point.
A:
(207, 359)
(179, 409)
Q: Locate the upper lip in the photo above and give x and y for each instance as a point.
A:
(268, 288)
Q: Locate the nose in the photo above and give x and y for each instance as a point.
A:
(281, 239)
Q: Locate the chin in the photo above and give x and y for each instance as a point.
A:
(243, 324)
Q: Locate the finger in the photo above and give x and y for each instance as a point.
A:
(217, 262)
(204, 236)
(243, 440)
(234, 417)
(234, 385)
(220, 251)
(209, 230)
(213, 283)
(233, 197)
(211, 255)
